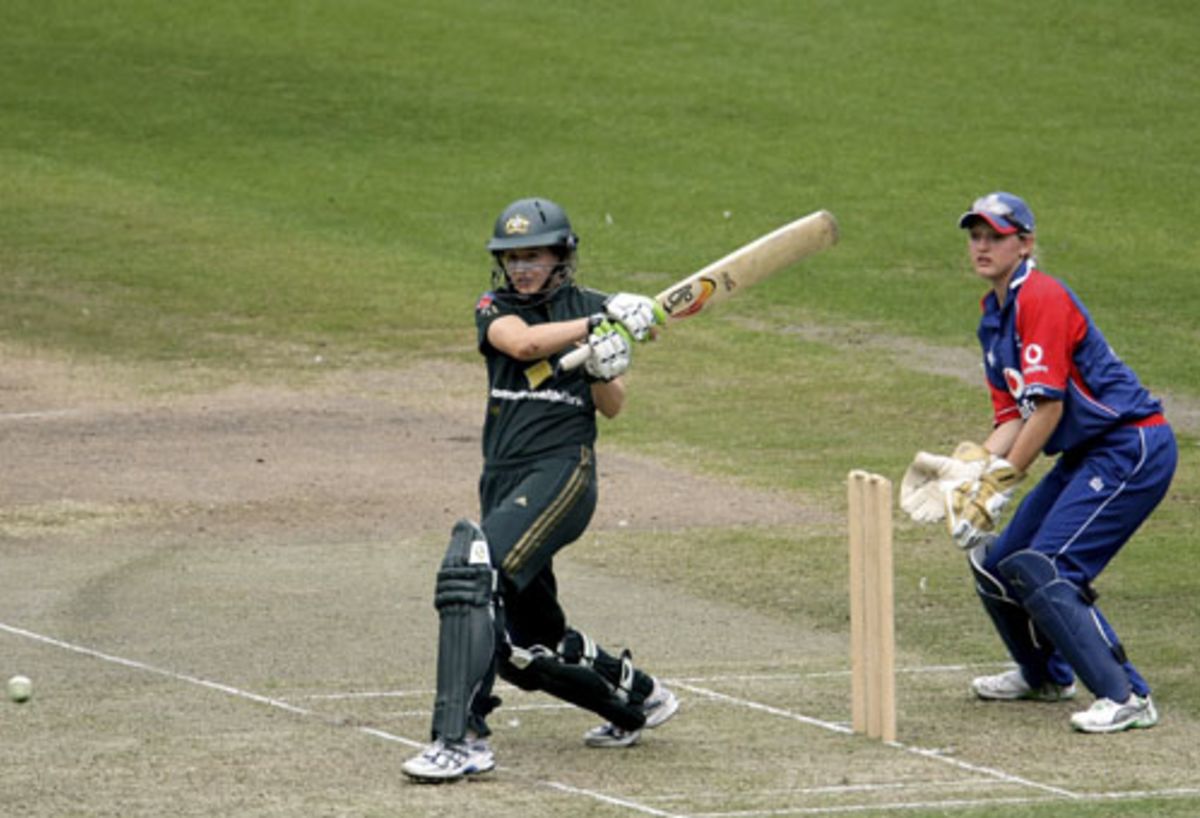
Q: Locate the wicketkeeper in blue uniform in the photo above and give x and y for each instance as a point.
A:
(496, 594)
(1056, 387)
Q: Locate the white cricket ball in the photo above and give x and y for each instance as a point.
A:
(20, 689)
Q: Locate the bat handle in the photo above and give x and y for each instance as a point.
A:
(574, 359)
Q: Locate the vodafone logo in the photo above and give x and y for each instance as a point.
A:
(1015, 382)
(1033, 356)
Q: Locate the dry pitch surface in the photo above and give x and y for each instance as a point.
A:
(223, 599)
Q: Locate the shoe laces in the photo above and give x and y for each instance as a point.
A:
(442, 754)
(1104, 705)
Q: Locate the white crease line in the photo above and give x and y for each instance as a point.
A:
(831, 726)
(426, 712)
(839, 789)
(979, 768)
(1134, 795)
(962, 803)
(763, 708)
(844, 729)
(170, 674)
(612, 800)
(821, 674)
(379, 694)
(194, 680)
(847, 809)
(300, 711)
(49, 413)
(386, 736)
(742, 677)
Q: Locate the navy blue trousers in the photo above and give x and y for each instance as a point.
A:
(1083, 512)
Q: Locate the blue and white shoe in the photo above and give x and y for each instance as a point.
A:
(449, 761)
(659, 706)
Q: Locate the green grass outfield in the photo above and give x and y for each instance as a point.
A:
(238, 187)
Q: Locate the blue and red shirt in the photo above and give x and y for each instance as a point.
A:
(1042, 344)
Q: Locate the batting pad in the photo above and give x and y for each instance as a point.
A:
(467, 631)
(540, 668)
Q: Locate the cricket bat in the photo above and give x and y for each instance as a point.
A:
(744, 267)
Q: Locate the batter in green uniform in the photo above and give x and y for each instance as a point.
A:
(496, 592)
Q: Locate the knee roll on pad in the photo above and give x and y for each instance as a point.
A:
(465, 600)
(577, 648)
(1027, 572)
(518, 669)
(1063, 612)
(985, 583)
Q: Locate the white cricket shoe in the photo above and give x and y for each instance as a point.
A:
(1107, 716)
(659, 706)
(1011, 686)
(449, 761)
(609, 735)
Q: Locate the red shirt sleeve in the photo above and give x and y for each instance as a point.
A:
(1049, 327)
(1004, 408)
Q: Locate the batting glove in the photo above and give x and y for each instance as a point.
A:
(611, 351)
(636, 313)
(974, 507)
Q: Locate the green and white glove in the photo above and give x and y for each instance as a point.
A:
(610, 350)
(974, 507)
(636, 313)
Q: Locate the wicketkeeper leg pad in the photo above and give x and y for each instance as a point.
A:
(1064, 612)
(1028, 648)
(465, 598)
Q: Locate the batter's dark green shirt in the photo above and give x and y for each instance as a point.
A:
(531, 411)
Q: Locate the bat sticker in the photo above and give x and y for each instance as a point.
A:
(736, 271)
(693, 303)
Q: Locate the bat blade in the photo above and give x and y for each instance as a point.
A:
(743, 268)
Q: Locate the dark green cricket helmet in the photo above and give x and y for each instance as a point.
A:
(533, 223)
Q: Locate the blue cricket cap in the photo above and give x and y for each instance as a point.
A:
(1005, 212)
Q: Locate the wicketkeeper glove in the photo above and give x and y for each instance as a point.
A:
(928, 478)
(974, 507)
(636, 313)
(611, 350)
